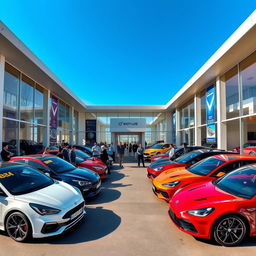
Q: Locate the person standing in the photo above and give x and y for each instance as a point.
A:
(172, 152)
(66, 152)
(73, 155)
(113, 150)
(140, 153)
(104, 157)
(5, 154)
(120, 151)
(134, 148)
(95, 150)
(130, 148)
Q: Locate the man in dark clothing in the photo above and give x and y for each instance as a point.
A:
(5, 154)
(104, 157)
(134, 148)
(73, 155)
(120, 151)
(140, 153)
(66, 152)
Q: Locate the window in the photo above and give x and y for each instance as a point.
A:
(203, 109)
(39, 105)
(227, 168)
(230, 80)
(26, 99)
(37, 165)
(248, 81)
(11, 92)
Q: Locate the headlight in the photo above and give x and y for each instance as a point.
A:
(82, 182)
(201, 212)
(44, 210)
(158, 168)
(171, 184)
(98, 168)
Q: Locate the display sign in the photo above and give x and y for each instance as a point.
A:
(127, 125)
(90, 135)
(211, 133)
(53, 120)
(210, 104)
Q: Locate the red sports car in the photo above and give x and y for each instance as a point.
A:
(183, 161)
(223, 209)
(250, 151)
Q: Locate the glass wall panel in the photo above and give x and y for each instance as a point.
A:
(230, 80)
(26, 99)
(191, 115)
(203, 109)
(38, 134)
(233, 131)
(39, 105)
(11, 92)
(248, 81)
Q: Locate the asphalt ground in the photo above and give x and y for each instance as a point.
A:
(125, 219)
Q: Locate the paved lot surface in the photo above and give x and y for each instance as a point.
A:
(126, 219)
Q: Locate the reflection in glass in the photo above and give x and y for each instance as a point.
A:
(11, 89)
(26, 99)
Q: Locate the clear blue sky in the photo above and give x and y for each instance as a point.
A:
(124, 52)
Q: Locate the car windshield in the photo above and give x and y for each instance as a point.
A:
(205, 166)
(19, 180)
(157, 146)
(187, 157)
(81, 154)
(57, 164)
(241, 183)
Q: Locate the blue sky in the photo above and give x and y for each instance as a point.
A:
(121, 52)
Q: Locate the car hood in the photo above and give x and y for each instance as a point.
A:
(58, 195)
(82, 174)
(92, 163)
(204, 194)
(173, 174)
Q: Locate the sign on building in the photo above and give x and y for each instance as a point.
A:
(210, 114)
(127, 125)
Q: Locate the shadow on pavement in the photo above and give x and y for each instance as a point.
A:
(106, 195)
(98, 222)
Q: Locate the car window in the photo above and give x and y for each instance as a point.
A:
(37, 165)
(245, 162)
(166, 146)
(197, 159)
(228, 168)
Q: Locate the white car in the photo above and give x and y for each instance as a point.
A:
(34, 205)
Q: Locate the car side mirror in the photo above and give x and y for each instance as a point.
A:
(220, 174)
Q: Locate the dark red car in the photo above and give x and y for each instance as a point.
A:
(223, 209)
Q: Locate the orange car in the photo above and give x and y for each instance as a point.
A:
(211, 168)
(157, 149)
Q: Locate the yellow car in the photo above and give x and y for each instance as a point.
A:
(157, 149)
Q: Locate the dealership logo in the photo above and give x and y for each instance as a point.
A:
(128, 124)
(209, 103)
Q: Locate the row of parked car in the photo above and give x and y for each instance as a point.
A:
(211, 193)
(42, 195)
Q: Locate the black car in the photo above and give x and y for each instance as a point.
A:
(27, 147)
(86, 180)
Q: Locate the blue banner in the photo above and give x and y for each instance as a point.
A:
(210, 104)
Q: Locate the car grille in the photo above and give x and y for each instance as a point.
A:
(72, 211)
(163, 193)
(184, 224)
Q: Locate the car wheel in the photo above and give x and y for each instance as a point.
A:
(229, 230)
(252, 153)
(18, 227)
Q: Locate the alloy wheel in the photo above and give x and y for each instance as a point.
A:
(230, 231)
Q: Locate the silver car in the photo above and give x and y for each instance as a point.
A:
(32, 205)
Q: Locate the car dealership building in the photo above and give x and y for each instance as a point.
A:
(216, 106)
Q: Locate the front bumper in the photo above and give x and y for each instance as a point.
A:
(46, 226)
(160, 193)
(195, 226)
(93, 191)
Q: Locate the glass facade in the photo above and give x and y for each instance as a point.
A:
(24, 112)
(156, 125)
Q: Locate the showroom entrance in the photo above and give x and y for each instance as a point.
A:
(128, 130)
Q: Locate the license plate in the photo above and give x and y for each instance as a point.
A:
(74, 215)
(98, 185)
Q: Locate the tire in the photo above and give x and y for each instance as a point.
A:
(252, 153)
(229, 230)
(18, 227)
